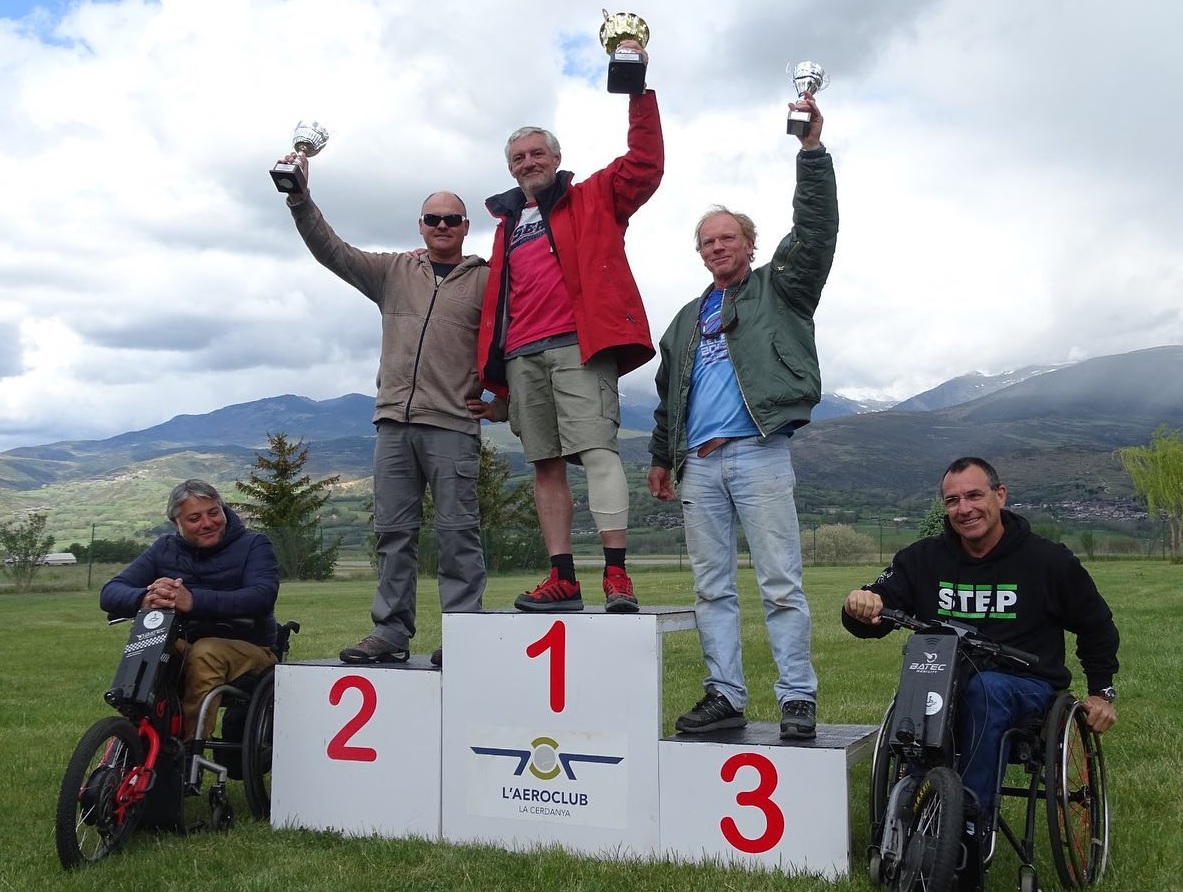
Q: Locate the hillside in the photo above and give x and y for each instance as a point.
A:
(1053, 435)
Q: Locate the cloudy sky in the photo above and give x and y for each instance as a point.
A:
(1008, 176)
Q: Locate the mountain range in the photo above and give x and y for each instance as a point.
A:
(1051, 431)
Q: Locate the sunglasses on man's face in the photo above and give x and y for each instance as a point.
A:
(450, 220)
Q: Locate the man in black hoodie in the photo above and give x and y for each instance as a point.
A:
(989, 570)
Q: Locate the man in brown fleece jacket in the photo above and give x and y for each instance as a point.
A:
(427, 411)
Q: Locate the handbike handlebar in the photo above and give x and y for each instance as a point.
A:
(966, 633)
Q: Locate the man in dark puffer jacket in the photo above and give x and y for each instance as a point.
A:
(222, 577)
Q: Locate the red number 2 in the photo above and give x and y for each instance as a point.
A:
(760, 797)
(339, 747)
(555, 640)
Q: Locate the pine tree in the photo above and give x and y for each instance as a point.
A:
(934, 519)
(286, 506)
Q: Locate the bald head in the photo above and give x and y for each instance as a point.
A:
(443, 223)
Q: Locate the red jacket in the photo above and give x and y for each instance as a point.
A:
(586, 223)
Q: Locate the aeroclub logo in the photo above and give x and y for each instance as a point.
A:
(547, 761)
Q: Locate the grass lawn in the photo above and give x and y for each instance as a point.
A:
(58, 658)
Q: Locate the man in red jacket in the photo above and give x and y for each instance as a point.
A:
(562, 319)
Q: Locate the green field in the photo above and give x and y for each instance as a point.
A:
(58, 657)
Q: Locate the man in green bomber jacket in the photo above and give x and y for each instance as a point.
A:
(739, 373)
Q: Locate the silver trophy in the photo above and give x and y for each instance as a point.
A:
(308, 140)
(808, 77)
(626, 71)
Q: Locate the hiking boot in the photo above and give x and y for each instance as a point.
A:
(618, 589)
(552, 594)
(711, 713)
(374, 650)
(798, 720)
(437, 657)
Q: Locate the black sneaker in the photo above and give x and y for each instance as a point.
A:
(374, 650)
(711, 713)
(437, 657)
(798, 720)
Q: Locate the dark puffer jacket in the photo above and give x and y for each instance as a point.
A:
(234, 583)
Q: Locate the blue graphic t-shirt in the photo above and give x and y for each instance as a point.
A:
(716, 407)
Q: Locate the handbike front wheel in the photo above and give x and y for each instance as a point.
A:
(90, 822)
(933, 844)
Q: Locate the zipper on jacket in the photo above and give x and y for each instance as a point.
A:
(419, 347)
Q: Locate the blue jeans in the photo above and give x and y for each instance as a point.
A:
(990, 704)
(751, 481)
(407, 459)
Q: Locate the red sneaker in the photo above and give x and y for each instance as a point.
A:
(552, 594)
(618, 589)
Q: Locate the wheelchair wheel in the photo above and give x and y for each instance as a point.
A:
(886, 769)
(256, 747)
(933, 848)
(90, 822)
(1077, 801)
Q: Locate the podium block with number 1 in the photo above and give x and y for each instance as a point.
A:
(551, 724)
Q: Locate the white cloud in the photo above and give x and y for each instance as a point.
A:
(1007, 177)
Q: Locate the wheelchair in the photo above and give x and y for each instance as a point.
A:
(135, 770)
(917, 799)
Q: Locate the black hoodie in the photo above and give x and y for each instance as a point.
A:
(1026, 592)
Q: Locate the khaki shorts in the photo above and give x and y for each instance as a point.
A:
(560, 407)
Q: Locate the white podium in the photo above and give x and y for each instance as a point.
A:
(357, 748)
(551, 724)
(747, 798)
(545, 729)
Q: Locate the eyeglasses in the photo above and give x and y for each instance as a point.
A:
(973, 498)
(713, 325)
(450, 220)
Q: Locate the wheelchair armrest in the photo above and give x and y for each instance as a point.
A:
(282, 638)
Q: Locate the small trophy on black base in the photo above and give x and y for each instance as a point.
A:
(626, 71)
(808, 77)
(308, 140)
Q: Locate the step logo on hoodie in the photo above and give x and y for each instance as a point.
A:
(967, 601)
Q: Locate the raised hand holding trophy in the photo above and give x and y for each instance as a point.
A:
(808, 77)
(626, 71)
(307, 140)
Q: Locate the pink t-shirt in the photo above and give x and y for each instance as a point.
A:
(539, 304)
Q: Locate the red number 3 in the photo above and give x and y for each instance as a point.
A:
(760, 797)
(339, 747)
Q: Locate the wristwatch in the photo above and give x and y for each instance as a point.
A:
(1108, 694)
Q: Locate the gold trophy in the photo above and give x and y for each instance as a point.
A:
(626, 71)
(808, 77)
(308, 140)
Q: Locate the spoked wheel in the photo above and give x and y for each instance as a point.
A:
(93, 820)
(886, 770)
(257, 747)
(1077, 801)
(934, 834)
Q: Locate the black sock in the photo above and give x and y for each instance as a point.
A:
(565, 564)
(614, 557)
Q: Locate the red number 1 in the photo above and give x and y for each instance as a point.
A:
(555, 640)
